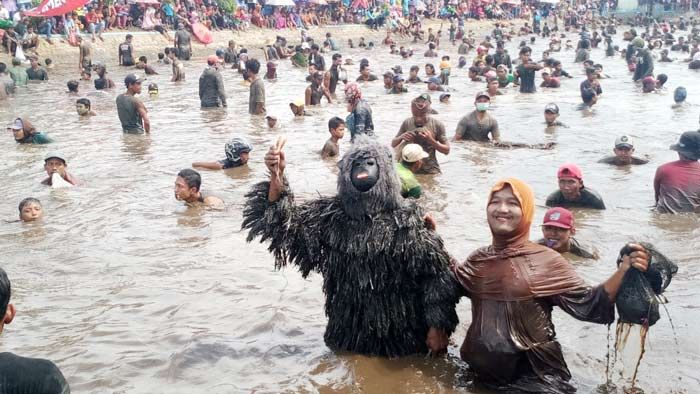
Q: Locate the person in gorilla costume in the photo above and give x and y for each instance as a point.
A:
(386, 276)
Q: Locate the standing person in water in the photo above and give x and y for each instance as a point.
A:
(525, 71)
(178, 68)
(132, 113)
(256, 100)
(478, 124)
(183, 43)
(316, 91)
(426, 131)
(22, 374)
(333, 75)
(102, 82)
(126, 52)
(572, 193)
(677, 184)
(211, 85)
(513, 285)
(359, 121)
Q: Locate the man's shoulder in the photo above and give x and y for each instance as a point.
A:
(31, 374)
(554, 198)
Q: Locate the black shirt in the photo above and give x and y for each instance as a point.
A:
(37, 75)
(588, 199)
(21, 375)
(527, 79)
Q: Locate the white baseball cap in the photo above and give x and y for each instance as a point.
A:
(411, 153)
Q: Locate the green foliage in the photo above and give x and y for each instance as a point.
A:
(227, 5)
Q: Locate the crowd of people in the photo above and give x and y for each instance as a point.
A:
(515, 285)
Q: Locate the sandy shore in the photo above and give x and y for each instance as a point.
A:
(151, 43)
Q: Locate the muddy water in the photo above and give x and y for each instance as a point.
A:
(129, 291)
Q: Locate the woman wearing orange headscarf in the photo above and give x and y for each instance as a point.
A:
(513, 285)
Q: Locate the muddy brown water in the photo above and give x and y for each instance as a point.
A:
(128, 291)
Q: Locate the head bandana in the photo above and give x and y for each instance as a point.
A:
(352, 93)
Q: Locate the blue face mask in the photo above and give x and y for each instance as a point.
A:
(481, 107)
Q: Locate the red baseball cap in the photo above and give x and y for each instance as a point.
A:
(212, 60)
(559, 217)
(570, 171)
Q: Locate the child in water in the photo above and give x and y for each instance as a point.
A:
(30, 210)
(336, 126)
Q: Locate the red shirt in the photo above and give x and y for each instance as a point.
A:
(677, 187)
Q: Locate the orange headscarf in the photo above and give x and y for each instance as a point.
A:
(526, 198)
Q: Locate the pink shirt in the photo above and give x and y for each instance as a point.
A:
(677, 187)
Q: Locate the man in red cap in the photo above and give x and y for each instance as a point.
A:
(211, 85)
(558, 231)
(572, 193)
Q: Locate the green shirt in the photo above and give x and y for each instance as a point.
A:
(19, 75)
(410, 187)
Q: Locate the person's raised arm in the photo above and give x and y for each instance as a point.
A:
(276, 162)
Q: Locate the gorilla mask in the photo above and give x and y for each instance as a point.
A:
(365, 173)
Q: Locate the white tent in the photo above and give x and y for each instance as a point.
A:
(280, 2)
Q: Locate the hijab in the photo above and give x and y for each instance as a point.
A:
(526, 198)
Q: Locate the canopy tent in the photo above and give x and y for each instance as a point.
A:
(280, 3)
(56, 7)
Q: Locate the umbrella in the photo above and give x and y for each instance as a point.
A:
(280, 2)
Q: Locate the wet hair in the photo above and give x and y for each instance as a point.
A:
(166, 51)
(143, 59)
(337, 56)
(191, 177)
(334, 122)
(3, 67)
(22, 204)
(588, 63)
(363, 67)
(598, 65)
(5, 292)
(84, 101)
(48, 61)
(161, 56)
(661, 79)
(473, 69)
(430, 65)
(445, 57)
(415, 68)
(524, 50)
(16, 62)
(73, 85)
(431, 46)
(128, 36)
(315, 47)
(252, 65)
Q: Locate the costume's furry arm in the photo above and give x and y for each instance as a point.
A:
(441, 291)
(270, 220)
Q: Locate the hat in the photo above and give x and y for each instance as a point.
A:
(434, 80)
(305, 45)
(424, 96)
(16, 125)
(551, 108)
(570, 171)
(624, 142)
(152, 87)
(688, 145)
(398, 78)
(444, 96)
(212, 59)
(546, 70)
(559, 217)
(132, 79)
(482, 94)
(397, 70)
(55, 155)
(298, 103)
(411, 153)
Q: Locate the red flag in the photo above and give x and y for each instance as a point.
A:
(56, 7)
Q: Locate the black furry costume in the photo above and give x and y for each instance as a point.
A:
(385, 276)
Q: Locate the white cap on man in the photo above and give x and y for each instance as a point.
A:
(412, 153)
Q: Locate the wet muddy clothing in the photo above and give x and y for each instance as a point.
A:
(318, 61)
(257, 95)
(410, 187)
(677, 187)
(22, 375)
(645, 65)
(504, 59)
(581, 56)
(615, 161)
(359, 121)
(335, 77)
(86, 53)
(35, 138)
(37, 75)
(126, 55)
(316, 94)
(227, 163)
(588, 199)
(183, 44)
(527, 79)
(430, 163)
(380, 297)
(103, 83)
(211, 88)
(470, 128)
(586, 85)
(511, 342)
(127, 109)
(575, 248)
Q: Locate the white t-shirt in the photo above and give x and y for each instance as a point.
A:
(4, 13)
(696, 56)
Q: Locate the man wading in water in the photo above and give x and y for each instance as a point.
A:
(513, 285)
(132, 113)
(126, 52)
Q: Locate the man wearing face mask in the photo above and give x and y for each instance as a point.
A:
(572, 193)
(478, 124)
(425, 131)
(389, 290)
